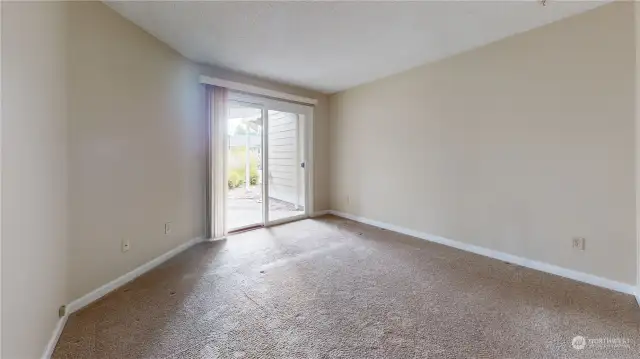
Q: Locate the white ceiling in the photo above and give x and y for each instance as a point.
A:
(332, 46)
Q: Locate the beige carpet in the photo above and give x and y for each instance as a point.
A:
(331, 288)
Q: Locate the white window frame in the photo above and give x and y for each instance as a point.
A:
(279, 105)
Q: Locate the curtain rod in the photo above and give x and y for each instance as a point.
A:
(237, 86)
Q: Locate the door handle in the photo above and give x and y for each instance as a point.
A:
(302, 164)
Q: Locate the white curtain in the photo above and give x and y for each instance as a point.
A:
(217, 145)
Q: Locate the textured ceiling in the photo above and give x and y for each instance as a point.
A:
(332, 46)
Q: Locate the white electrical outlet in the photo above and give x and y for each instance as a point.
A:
(125, 245)
(579, 243)
(167, 228)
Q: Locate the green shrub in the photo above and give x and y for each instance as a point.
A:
(234, 180)
(237, 170)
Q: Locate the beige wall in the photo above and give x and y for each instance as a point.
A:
(517, 146)
(637, 134)
(137, 146)
(34, 187)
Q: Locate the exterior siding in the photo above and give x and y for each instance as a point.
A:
(284, 157)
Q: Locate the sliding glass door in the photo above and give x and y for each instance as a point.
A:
(267, 161)
(285, 170)
(244, 166)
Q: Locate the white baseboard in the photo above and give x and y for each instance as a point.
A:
(54, 337)
(320, 213)
(128, 277)
(540, 266)
(109, 287)
(543, 267)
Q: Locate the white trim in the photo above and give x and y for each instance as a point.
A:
(57, 331)
(234, 101)
(320, 213)
(244, 228)
(540, 266)
(310, 162)
(264, 164)
(109, 287)
(268, 104)
(1, 126)
(128, 277)
(237, 86)
(277, 222)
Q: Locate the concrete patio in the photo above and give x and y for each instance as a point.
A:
(245, 208)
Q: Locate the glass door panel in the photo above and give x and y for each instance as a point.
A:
(244, 167)
(285, 171)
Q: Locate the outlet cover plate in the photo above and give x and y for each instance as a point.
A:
(579, 243)
(125, 245)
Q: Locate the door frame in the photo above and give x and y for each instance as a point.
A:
(307, 111)
(240, 103)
